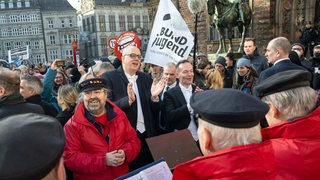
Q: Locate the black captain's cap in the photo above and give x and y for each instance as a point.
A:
(229, 108)
(31, 145)
(284, 81)
(92, 84)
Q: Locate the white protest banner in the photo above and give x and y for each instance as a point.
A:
(170, 39)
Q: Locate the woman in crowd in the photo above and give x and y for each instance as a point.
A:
(201, 74)
(246, 77)
(53, 79)
(231, 62)
(214, 80)
(67, 100)
(220, 65)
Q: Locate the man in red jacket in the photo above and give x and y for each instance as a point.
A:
(100, 141)
(294, 123)
(229, 136)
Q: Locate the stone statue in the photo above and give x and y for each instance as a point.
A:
(226, 14)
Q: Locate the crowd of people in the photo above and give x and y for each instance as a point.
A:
(254, 117)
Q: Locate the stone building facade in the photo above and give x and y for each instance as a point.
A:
(21, 26)
(102, 20)
(271, 18)
(38, 25)
(60, 28)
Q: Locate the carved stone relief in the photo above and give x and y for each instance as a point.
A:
(290, 17)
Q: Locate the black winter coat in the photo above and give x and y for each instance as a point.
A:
(14, 104)
(48, 108)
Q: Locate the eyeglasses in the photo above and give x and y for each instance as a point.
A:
(299, 49)
(133, 56)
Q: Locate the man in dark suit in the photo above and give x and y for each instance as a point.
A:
(278, 54)
(138, 96)
(179, 114)
(170, 73)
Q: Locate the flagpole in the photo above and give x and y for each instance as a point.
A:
(170, 37)
(195, 7)
(195, 43)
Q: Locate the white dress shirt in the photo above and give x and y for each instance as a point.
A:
(187, 93)
(140, 119)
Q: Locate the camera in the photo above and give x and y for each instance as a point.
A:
(60, 63)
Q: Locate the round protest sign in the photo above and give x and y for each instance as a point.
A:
(125, 39)
(112, 42)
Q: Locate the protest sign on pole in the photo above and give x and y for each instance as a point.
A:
(125, 39)
(170, 39)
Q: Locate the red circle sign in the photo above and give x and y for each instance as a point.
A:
(125, 39)
(112, 42)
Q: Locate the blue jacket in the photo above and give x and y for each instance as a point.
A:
(47, 94)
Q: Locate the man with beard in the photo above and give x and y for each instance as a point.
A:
(138, 96)
(99, 139)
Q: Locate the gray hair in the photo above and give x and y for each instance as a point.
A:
(102, 66)
(223, 137)
(33, 83)
(170, 65)
(293, 102)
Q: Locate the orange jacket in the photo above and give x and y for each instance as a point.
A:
(85, 150)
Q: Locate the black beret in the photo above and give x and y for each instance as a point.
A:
(31, 145)
(283, 81)
(229, 108)
(92, 84)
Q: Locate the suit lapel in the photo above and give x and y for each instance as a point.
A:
(122, 74)
(180, 95)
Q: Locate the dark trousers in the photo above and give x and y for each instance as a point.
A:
(144, 157)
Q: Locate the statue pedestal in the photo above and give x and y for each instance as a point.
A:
(212, 46)
(237, 55)
(213, 57)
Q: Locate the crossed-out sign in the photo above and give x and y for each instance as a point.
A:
(112, 42)
(125, 39)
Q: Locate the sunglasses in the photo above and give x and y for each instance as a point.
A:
(133, 56)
